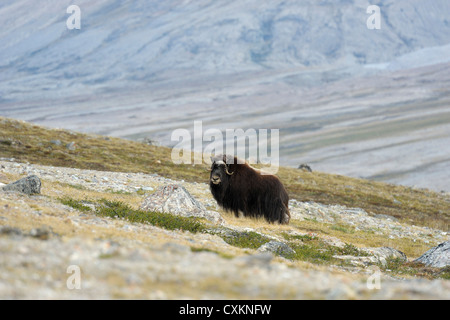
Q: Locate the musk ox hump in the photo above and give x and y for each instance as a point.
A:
(226, 159)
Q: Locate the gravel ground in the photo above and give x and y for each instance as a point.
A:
(47, 249)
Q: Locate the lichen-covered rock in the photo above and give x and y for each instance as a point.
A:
(28, 185)
(175, 199)
(438, 257)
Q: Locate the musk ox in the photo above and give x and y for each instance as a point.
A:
(237, 187)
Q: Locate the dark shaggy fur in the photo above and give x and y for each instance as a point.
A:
(244, 189)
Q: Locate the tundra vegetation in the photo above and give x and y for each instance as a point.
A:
(26, 142)
(308, 239)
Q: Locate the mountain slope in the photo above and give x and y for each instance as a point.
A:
(131, 40)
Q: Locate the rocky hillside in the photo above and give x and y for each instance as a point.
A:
(159, 234)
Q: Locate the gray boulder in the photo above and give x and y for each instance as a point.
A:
(175, 199)
(28, 185)
(438, 257)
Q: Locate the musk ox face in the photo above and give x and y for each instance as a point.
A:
(220, 171)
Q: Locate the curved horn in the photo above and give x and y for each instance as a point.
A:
(228, 172)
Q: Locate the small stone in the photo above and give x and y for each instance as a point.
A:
(278, 248)
(42, 233)
(305, 167)
(71, 146)
(56, 142)
(10, 231)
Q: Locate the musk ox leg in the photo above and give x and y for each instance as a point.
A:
(277, 211)
(285, 215)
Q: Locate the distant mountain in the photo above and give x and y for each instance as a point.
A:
(145, 68)
(136, 41)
